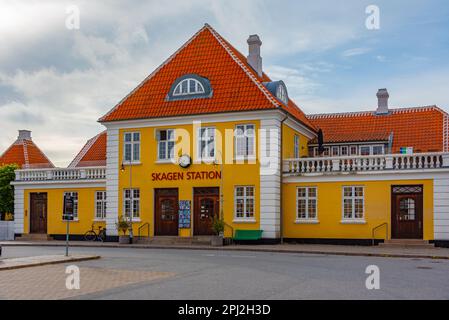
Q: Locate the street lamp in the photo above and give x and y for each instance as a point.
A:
(131, 194)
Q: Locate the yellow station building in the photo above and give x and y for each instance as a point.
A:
(208, 134)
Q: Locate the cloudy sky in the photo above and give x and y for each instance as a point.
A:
(57, 82)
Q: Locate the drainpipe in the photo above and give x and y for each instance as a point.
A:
(281, 207)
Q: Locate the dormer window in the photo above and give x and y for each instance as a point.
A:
(281, 93)
(278, 89)
(190, 86)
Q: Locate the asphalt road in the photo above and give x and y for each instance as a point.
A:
(213, 274)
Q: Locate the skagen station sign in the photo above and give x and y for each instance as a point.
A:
(191, 175)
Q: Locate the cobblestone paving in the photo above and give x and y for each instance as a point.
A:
(49, 282)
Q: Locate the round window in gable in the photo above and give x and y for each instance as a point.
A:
(190, 86)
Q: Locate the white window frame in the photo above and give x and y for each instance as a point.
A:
(134, 204)
(211, 145)
(341, 151)
(295, 146)
(327, 152)
(371, 148)
(245, 197)
(353, 197)
(198, 88)
(170, 138)
(351, 148)
(248, 153)
(307, 219)
(134, 145)
(335, 148)
(74, 194)
(100, 215)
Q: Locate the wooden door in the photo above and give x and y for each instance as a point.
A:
(38, 213)
(407, 215)
(206, 208)
(166, 212)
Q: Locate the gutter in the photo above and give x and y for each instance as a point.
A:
(281, 180)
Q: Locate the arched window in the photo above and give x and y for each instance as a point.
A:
(282, 93)
(190, 86)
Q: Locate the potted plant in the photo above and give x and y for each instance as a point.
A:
(218, 226)
(123, 227)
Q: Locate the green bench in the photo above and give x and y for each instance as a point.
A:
(247, 235)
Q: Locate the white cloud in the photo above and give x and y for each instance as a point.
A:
(355, 52)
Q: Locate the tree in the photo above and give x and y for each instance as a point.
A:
(6, 189)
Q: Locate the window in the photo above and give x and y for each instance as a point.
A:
(131, 147)
(326, 151)
(244, 202)
(295, 146)
(364, 150)
(245, 140)
(74, 195)
(353, 150)
(335, 151)
(315, 151)
(353, 202)
(131, 202)
(378, 149)
(166, 144)
(188, 86)
(306, 203)
(206, 141)
(100, 205)
(282, 93)
(344, 151)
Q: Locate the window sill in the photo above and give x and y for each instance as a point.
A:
(307, 221)
(353, 221)
(74, 220)
(244, 221)
(167, 161)
(245, 158)
(99, 220)
(133, 163)
(135, 220)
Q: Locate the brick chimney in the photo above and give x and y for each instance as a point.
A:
(24, 135)
(254, 59)
(382, 101)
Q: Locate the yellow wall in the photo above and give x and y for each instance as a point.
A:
(55, 224)
(288, 142)
(233, 175)
(329, 210)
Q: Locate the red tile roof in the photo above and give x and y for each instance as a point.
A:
(93, 154)
(25, 154)
(423, 128)
(235, 85)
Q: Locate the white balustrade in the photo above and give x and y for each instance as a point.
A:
(61, 174)
(346, 164)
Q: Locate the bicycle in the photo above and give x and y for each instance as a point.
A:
(92, 234)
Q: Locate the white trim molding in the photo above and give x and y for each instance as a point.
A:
(112, 181)
(270, 178)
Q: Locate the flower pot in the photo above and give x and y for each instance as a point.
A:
(217, 241)
(123, 240)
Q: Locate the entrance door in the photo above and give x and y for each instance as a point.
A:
(407, 212)
(206, 208)
(38, 213)
(166, 212)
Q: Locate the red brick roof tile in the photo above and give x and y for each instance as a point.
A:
(93, 154)
(25, 154)
(236, 87)
(423, 128)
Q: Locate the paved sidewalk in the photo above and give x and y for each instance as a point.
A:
(18, 263)
(433, 253)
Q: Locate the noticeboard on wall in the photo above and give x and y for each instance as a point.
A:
(184, 214)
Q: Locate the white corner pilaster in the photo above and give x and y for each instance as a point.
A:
(441, 207)
(19, 209)
(112, 181)
(270, 178)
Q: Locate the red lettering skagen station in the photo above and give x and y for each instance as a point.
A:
(194, 175)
